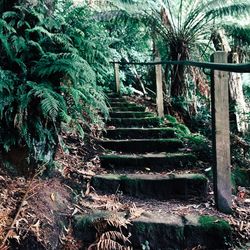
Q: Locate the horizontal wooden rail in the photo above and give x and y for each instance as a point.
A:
(232, 67)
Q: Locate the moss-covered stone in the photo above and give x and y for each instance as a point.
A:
(156, 162)
(154, 186)
(208, 231)
(122, 104)
(135, 122)
(163, 231)
(170, 118)
(131, 114)
(139, 133)
(143, 145)
(133, 108)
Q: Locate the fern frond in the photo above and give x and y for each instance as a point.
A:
(109, 244)
(18, 42)
(40, 30)
(5, 27)
(6, 46)
(114, 235)
(51, 102)
(23, 23)
(36, 45)
(11, 15)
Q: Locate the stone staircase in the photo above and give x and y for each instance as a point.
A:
(145, 160)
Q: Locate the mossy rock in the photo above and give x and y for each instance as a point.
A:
(161, 187)
(143, 145)
(133, 108)
(140, 133)
(155, 162)
(208, 231)
(171, 119)
(135, 122)
(162, 231)
(131, 114)
(122, 104)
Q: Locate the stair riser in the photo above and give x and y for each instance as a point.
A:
(155, 189)
(130, 122)
(113, 95)
(131, 114)
(122, 105)
(142, 146)
(136, 108)
(116, 99)
(154, 164)
(139, 134)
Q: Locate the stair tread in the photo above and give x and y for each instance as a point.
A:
(142, 129)
(147, 155)
(141, 140)
(170, 176)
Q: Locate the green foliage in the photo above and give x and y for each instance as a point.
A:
(49, 72)
(170, 118)
(210, 223)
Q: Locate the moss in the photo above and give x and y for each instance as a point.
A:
(212, 224)
(198, 177)
(133, 122)
(131, 114)
(171, 119)
(133, 108)
(141, 227)
(182, 129)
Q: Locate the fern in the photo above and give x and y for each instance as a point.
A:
(50, 101)
(48, 78)
(19, 43)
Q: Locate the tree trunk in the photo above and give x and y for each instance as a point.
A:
(178, 86)
(237, 100)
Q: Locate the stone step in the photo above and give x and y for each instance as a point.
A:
(161, 187)
(113, 95)
(145, 122)
(131, 108)
(116, 99)
(143, 145)
(130, 114)
(122, 104)
(139, 133)
(161, 231)
(153, 162)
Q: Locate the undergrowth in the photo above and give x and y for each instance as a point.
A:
(48, 77)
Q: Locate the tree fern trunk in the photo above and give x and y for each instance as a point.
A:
(178, 85)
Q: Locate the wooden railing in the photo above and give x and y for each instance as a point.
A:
(220, 116)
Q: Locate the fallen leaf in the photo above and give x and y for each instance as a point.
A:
(52, 197)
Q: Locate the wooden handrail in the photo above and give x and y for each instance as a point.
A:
(231, 67)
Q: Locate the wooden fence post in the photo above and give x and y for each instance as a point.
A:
(159, 89)
(117, 78)
(221, 136)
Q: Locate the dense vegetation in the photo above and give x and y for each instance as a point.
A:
(56, 84)
(55, 62)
